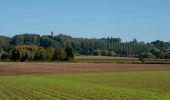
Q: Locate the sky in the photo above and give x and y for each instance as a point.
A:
(145, 20)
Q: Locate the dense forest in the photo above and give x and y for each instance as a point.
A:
(30, 47)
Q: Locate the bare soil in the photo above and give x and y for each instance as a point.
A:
(54, 68)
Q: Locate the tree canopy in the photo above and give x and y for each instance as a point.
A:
(61, 47)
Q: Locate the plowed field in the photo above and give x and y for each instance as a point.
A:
(54, 68)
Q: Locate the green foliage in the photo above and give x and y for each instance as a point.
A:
(41, 54)
(97, 53)
(5, 56)
(69, 54)
(59, 54)
(49, 53)
(149, 55)
(48, 41)
(4, 41)
(24, 52)
(82, 46)
(26, 39)
(16, 55)
(32, 52)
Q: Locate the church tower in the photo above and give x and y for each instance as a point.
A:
(52, 34)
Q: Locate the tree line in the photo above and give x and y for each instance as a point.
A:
(34, 53)
(80, 46)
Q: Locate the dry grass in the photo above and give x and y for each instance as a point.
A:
(102, 57)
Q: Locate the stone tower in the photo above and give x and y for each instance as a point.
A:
(52, 34)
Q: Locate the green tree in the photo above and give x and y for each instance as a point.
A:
(70, 54)
(50, 53)
(59, 54)
(40, 54)
(16, 55)
(5, 56)
(24, 52)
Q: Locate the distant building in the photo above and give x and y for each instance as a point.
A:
(52, 34)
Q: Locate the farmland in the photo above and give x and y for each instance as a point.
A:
(58, 68)
(118, 60)
(84, 81)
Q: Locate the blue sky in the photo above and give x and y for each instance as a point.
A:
(146, 20)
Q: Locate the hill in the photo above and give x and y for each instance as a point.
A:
(83, 46)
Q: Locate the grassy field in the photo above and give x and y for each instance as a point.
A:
(143, 85)
(106, 59)
(118, 60)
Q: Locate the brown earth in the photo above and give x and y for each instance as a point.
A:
(53, 68)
